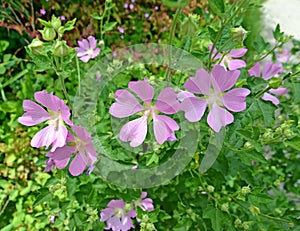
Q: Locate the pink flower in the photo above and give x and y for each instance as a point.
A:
(125, 5)
(146, 15)
(230, 61)
(121, 30)
(117, 217)
(43, 11)
(58, 113)
(127, 104)
(87, 49)
(131, 6)
(62, 17)
(213, 87)
(269, 70)
(82, 146)
(145, 204)
(283, 55)
(52, 218)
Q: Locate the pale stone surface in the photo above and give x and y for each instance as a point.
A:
(284, 12)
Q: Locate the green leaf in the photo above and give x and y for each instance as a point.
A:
(251, 136)
(45, 196)
(175, 3)
(69, 25)
(45, 23)
(97, 16)
(3, 45)
(152, 159)
(109, 26)
(212, 33)
(216, 217)
(217, 6)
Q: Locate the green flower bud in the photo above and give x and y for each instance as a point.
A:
(225, 207)
(275, 82)
(238, 34)
(210, 188)
(248, 145)
(48, 34)
(61, 49)
(237, 223)
(189, 27)
(245, 190)
(277, 183)
(36, 46)
(55, 22)
(254, 210)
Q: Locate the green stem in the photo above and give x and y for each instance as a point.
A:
(174, 23)
(259, 94)
(78, 75)
(264, 56)
(101, 21)
(220, 33)
(64, 89)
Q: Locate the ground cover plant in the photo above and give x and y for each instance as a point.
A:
(147, 115)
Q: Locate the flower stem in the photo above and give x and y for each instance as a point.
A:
(219, 35)
(78, 75)
(178, 11)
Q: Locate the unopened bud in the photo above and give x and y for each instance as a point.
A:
(245, 190)
(48, 34)
(238, 34)
(254, 210)
(61, 49)
(275, 82)
(55, 22)
(225, 207)
(189, 27)
(210, 188)
(36, 46)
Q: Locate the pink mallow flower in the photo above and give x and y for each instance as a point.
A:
(127, 104)
(283, 55)
(146, 204)
(43, 11)
(117, 217)
(87, 49)
(230, 61)
(81, 145)
(58, 114)
(213, 87)
(268, 71)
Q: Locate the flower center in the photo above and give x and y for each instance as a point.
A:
(90, 52)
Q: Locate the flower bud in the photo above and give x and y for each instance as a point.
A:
(245, 190)
(61, 49)
(36, 46)
(210, 188)
(189, 27)
(238, 34)
(225, 207)
(48, 34)
(55, 22)
(275, 82)
(254, 210)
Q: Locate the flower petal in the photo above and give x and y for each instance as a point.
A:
(92, 42)
(106, 214)
(134, 131)
(85, 58)
(78, 164)
(237, 53)
(60, 137)
(255, 70)
(126, 105)
(222, 79)
(49, 101)
(194, 108)
(199, 84)
(219, 117)
(147, 204)
(116, 204)
(271, 69)
(126, 223)
(235, 64)
(279, 91)
(143, 89)
(44, 137)
(95, 53)
(167, 101)
(235, 100)
(34, 114)
(164, 127)
(269, 97)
